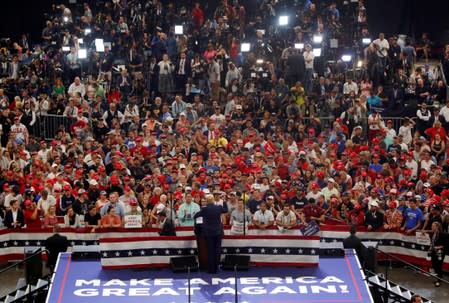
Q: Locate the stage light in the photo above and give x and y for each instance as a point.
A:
(299, 45)
(65, 19)
(283, 20)
(82, 53)
(99, 45)
(87, 31)
(245, 47)
(317, 39)
(359, 63)
(66, 48)
(346, 58)
(259, 61)
(366, 41)
(80, 40)
(317, 52)
(179, 30)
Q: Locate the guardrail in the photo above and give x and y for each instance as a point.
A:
(443, 77)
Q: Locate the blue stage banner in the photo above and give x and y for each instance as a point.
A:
(334, 280)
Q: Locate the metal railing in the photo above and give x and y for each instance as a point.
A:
(443, 77)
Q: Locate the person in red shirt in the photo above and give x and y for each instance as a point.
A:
(357, 216)
(436, 129)
(312, 212)
(31, 214)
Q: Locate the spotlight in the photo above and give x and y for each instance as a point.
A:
(99, 45)
(366, 41)
(299, 45)
(317, 52)
(66, 48)
(245, 47)
(283, 20)
(317, 39)
(359, 63)
(82, 53)
(346, 58)
(259, 61)
(179, 30)
(87, 31)
(65, 19)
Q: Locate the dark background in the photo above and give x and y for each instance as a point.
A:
(410, 17)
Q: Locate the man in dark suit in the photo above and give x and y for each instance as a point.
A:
(183, 71)
(55, 244)
(14, 217)
(212, 231)
(374, 219)
(353, 242)
(167, 226)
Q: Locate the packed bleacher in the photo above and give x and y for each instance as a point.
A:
(284, 112)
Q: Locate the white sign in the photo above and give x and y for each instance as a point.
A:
(133, 221)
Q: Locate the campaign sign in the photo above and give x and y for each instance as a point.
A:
(133, 221)
(311, 229)
(335, 280)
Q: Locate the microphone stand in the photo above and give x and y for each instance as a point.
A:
(244, 220)
(236, 297)
(189, 287)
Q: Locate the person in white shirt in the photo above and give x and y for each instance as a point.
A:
(233, 73)
(444, 113)
(350, 86)
(77, 87)
(382, 46)
(45, 202)
(308, 58)
(406, 130)
(263, 218)
(286, 219)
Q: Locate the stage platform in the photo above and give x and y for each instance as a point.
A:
(337, 279)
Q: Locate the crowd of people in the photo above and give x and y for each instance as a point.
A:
(163, 120)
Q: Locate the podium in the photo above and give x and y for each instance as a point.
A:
(201, 244)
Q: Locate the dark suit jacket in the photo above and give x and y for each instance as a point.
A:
(187, 67)
(168, 229)
(211, 214)
(55, 244)
(375, 222)
(9, 222)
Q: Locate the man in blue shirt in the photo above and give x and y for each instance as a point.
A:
(413, 217)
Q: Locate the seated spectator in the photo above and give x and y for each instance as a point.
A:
(46, 200)
(312, 212)
(357, 216)
(31, 213)
(263, 218)
(166, 225)
(92, 218)
(393, 217)
(374, 219)
(111, 219)
(286, 219)
(413, 217)
(50, 219)
(71, 219)
(14, 217)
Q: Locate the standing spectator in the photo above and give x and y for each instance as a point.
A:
(382, 46)
(374, 219)
(165, 80)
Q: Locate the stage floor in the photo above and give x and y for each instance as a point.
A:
(334, 280)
